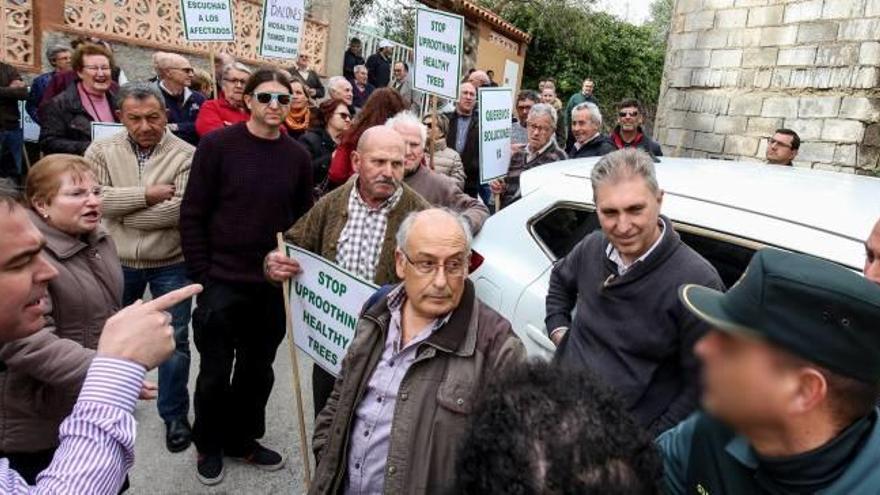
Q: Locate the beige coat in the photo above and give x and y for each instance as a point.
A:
(46, 370)
(447, 162)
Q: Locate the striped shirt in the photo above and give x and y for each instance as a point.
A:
(97, 439)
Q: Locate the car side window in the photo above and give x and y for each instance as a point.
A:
(563, 226)
(728, 258)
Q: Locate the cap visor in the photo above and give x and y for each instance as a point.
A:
(707, 304)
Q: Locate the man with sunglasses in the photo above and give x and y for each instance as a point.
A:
(423, 351)
(248, 182)
(183, 104)
(629, 133)
(782, 148)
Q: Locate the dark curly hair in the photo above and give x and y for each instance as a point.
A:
(543, 429)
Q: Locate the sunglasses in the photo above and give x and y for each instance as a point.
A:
(628, 114)
(268, 98)
(343, 115)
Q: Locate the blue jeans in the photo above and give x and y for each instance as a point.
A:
(11, 142)
(173, 400)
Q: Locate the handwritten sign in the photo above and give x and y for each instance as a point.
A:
(325, 302)
(282, 28)
(105, 129)
(207, 20)
(29, 128)
(437, 52)
(495, 129)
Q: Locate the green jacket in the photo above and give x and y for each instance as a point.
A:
(318, 231)
(703, 456)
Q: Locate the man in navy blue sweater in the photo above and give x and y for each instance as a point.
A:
(183, 104)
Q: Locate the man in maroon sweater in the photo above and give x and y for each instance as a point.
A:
(248, 181)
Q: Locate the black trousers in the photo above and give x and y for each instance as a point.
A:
(322, 386)
(237, 328)
(29, 464)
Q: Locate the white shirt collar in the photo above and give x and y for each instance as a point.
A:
(622, 267)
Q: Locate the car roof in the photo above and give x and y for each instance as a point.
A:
(829, 203)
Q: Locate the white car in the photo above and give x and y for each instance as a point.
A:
(724, 210)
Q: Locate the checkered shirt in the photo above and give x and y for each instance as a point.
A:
(360, 242)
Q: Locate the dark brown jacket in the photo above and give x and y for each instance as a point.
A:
(65, 125)
(45, 370)
(520, 162)
(9, 97)
(318, 231)
(435, 398)
(442, 191)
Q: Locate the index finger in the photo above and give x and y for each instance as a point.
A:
(170, 299)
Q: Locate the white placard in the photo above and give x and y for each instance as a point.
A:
(282, 28)
(105, 129)
(437, 52)
(325, 302)
(495, 127)
(207, 20)
(29, 128)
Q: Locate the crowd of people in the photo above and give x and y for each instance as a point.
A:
(435, 393)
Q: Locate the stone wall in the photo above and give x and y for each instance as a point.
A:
(736, 70)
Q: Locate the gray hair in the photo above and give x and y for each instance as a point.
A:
(55, 50)
(236, 66)
(333, 81)
(622, 164)
(595, 113)
(403, 232)
(543, 109)
(358, 68)
(406, 117)
(140, 91)
(9, 194)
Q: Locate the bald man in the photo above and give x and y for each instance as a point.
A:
(183, 104)
(872, 254)
(349, 226)
(402, 421)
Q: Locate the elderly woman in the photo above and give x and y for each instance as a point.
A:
(541, 149)
(446, 160)
(321, 141)
(66, 120)
(548, 96)
(45, 371)
(299, 118)
(228, 108)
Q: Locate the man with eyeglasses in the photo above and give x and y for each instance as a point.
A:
(783, 147)
(315, 88)
(183, 104)
(525, 100)
(540, 150)
(423, 352)
(629, 133)
(248, 182)
(351, 225)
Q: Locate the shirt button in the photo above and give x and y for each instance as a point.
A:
(460, 401)
(404, 396)
(366, 433)
(357, 465)
(378, 399)
(392, 470)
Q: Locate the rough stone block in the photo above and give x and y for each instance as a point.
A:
(837, 55)
(676, 118)
(781, 78)
(679, 138)
(807, 129)
(704, 122)
(685, 6)
(872, 135)
(763, 78)
(857, 108)
(682, 41)
(858, 29)
(831, 167)
(763, 126)
(706, 141)
(716, 38)
(731, 18)
(869, 157)
(741, 145)
(866, 78)
(759, 57)
(695, 58)
(700, 20)
(869, 53)
(778, 35)
(843, 9)
(820, 31)
(819, 106)
(780, 106)
(766, 16)
(803, 11)
(746, 105)
(845, 154)
(711, 103)
(797, 56)
(817, 152)
(872, 9)
(843, 131)
(680, 78)
(744, 37)
(726, 58)
(717, 4)
(726, 124)
(750, 3)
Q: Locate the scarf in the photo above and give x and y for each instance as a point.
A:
(297, 119)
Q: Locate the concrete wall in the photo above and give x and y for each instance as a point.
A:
(738, 69)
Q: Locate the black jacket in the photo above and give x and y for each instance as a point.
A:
(66, 126)
(470, 155)
(598, 146)
(378, 70)
(320, 146)
(312, 80)
(9, 97)
(631, 329)
(645, 144)
(349, 62)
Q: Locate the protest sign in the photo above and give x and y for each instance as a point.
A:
(437, 52)
(282, 28)
(30, 129)
(325, 302)
(495, 127)
(207, 20)
(104, 129)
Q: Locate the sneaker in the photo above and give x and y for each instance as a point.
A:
(262, 458)
(209, 469)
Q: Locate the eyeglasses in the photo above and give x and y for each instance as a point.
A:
(428, 124)
(268, 98)
(236, 82)
(539, 128)
(343, 115)
(775, 142)
(83, 193)
(97, 68)
(188, 70)
(628, 114)
(452, 268)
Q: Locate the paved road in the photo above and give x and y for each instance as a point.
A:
(159, 472)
